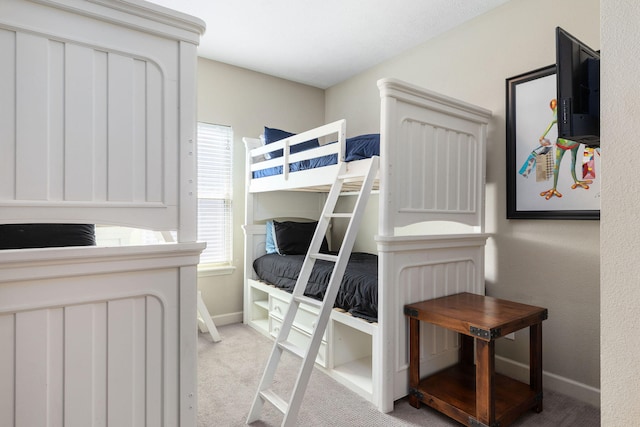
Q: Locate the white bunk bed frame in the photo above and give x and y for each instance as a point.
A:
(432, 170)
(100, 129)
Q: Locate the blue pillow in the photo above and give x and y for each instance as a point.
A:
(270, 243)
(273, 135)
(363, 147)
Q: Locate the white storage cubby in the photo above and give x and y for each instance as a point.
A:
(260, 309)
(352, 357)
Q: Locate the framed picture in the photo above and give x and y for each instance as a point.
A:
(547, 178)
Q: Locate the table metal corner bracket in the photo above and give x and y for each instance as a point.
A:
(417, 393)
(484, 333)
(410, 312)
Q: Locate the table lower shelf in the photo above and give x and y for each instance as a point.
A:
(453, 392)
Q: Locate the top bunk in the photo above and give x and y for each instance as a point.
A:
(308, 161)
(100, 127)
(432, 158)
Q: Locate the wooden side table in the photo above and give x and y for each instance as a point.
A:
(476, 395)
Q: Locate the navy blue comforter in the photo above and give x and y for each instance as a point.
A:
(358, 293)
(357, 148)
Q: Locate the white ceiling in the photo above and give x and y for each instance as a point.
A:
(320, 42)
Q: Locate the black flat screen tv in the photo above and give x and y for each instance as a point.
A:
(578, 86)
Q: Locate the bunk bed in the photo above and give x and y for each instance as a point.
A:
(99, 130)
(430, 235)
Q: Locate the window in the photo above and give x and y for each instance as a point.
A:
(215, 145)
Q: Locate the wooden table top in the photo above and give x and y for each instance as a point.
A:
(480, 316)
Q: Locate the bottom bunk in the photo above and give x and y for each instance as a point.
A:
(371, 358)
(358, 293)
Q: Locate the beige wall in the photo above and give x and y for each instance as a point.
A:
(247, 101)
(620, 256)
(554, 264)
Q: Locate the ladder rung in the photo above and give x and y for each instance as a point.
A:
(340, 215)
(292, 348)
(326, 257)
(309, 301)
(270, 396)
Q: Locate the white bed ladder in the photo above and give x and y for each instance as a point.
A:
(265, 393)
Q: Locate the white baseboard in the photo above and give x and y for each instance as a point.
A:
(227, 319)
(221, 320)
(519, 371)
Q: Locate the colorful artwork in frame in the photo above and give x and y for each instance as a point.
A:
(547, 177)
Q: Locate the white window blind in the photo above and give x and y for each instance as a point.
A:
(215, 150)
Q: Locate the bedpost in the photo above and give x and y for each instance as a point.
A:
(188, 145)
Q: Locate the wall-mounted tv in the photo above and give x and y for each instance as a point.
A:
(578, 83)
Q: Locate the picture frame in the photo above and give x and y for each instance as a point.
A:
(536, 187)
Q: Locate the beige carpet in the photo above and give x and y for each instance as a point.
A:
(229, 372)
